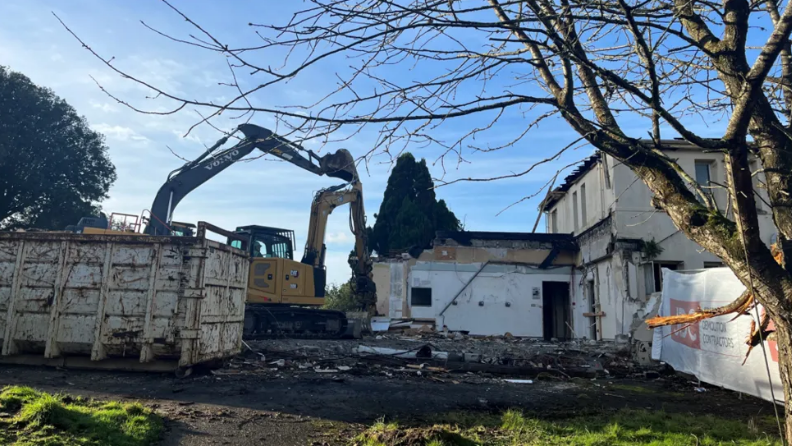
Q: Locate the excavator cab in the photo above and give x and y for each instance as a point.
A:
(266, 242)
(181, 229)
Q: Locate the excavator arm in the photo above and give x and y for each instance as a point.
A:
(324, 203)
(187, 178)
(340, 164)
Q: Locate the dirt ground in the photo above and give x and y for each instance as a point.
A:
(288, 408)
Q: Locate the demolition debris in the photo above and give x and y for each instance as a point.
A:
(443, 357)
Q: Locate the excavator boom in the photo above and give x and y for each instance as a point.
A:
(187, 178)
(277, 282)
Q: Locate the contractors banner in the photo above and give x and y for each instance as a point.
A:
(714, 349)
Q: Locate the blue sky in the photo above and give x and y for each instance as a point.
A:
(260, 191)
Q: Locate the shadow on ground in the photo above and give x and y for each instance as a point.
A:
(266, 409)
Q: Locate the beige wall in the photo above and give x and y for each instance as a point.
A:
(469, 254)
(381, 277)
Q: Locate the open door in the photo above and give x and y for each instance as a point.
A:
(556, 306)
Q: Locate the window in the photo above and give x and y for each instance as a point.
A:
(703, 173)
(703, 177)
(421, 297)
(649, 286)
(708, 265)
(658, 272)
(583, 205)
(575, 210)
(554, 221)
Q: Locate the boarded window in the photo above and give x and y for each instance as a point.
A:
(421, 297)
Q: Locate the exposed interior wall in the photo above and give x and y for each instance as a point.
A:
(381, 277)
(612, 281)
(501, 298)
(390, 278)
(398, 290)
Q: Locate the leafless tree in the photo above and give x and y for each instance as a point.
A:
(596, 64)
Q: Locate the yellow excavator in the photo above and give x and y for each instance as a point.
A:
(283, 294)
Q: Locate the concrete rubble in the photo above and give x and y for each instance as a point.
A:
(444, 357)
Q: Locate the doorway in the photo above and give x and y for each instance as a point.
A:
(555, 311)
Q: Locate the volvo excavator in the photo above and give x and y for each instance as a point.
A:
(281, 290)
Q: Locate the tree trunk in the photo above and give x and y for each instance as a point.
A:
(783, 335)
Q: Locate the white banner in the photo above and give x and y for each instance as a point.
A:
(713, 349)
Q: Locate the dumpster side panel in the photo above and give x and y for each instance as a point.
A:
(222, 308)
(107, 298)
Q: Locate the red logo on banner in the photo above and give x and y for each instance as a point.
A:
(772, 345)
(690, 334)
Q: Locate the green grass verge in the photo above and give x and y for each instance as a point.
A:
(625, 427)
(30, 417)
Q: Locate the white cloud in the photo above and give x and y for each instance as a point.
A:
(339, 237)
(120, 133)
(105, 107)
(192, 137)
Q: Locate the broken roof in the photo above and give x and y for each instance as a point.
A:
(467, 237)
(579, 171)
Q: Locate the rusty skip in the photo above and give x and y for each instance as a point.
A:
(142, 299)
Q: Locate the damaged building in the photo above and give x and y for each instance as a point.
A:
(596, 272)
(485, 283)
(624, 242)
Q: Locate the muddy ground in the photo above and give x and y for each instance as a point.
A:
(284, 392)
(319, 408)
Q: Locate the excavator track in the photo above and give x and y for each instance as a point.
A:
(267, 321)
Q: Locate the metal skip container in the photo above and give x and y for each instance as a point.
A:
(120, 301)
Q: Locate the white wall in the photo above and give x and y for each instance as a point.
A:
(495, 286)
(629, 202)
(599, 199)
(636, 218)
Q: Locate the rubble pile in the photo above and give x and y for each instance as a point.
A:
(440, 356)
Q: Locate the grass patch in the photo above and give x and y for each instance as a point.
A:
(632, 388)
(625, 427)
(30, 417)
